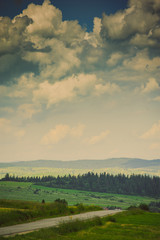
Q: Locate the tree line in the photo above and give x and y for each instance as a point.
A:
(142, 185)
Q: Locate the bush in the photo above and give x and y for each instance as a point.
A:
(62, 201)
(111, 219)
(132, 207)
(144, 207)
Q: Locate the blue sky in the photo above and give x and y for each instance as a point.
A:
(83, 11)
(79, 79)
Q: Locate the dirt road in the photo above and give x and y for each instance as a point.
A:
(50, 222)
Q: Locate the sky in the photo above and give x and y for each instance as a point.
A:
(79, 79)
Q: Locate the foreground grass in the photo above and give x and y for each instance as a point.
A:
(13, 211)
(28, 191)
(129, 225)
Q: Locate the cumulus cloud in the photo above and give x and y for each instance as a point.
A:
(64, 90)
(143, 40)
(109, 88)
(13, 44)
(60, 48)
(150, 86)
(56, 42)
(60, 132)
(114, 58)
(77, 131)
(12, 34)
(153, 132)
(100, 137)
(22, 87)
(142, 62)
(68, 89)
(139, 18)
(47, 23)
(94, 38)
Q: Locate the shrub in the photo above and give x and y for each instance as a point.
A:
(144, 207)
(62, 201)
(132, 207)
(111, 219)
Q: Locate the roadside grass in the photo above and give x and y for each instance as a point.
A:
(30, 192)
(129, 225)
(18, 211)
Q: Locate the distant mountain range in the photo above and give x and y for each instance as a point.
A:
(88, 164)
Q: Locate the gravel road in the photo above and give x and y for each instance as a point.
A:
(50, 222)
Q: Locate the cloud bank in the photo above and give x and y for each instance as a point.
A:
(55, 74)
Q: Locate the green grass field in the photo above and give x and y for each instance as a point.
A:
(129, 225)
(30, 192)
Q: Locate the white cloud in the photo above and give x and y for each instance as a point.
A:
(141, 62)
(64, 90)
(94, 38)
(150, 86)
(114, 58)
(55, 135)
(57, 61)
(100, 137)
(138, 18)
(60, 132)
(46, 19)
(106, 88)
(58, 39)
(47, 23)
(143, 40)
(97, 25)
(69, 88)
(153, 132)
(12, 34)
(77, 131)
(114, 24)
(28, 110)
(23, 87)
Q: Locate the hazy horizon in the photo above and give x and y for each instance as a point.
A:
(72, 160)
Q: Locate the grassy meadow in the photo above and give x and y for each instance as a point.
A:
(30, 192)
(128, 225)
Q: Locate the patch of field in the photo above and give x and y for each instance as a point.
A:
(129, 225)
(19, 211)
(42, 171)
(30, 192)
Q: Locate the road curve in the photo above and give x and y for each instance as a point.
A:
(51, 222)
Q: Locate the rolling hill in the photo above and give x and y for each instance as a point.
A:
(88, 164)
